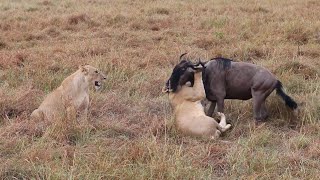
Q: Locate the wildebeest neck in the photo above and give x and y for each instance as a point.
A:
(223, 63)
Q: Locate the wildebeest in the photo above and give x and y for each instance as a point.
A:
(226, 79)
(190, 117)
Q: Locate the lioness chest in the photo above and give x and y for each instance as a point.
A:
(81, 101)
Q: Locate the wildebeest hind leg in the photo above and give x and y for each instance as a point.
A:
(258, 99)
(264, 111)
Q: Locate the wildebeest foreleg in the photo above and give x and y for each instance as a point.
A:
(220, 104)
(210, 110)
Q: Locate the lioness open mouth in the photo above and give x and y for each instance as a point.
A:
(97, 84)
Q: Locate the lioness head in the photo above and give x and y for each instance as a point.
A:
(181, 74)
(93, 75)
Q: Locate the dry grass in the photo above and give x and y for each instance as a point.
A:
(130, 134)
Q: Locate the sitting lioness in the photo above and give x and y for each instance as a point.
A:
(186, 102)
(73, 93)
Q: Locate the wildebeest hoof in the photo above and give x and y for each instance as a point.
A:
(296, 112)
(259, 124)
(261, 118)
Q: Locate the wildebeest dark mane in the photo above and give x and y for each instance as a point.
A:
(223, 62)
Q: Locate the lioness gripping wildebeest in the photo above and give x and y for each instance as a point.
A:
(72, 94)
(226, 79)
(185, 99)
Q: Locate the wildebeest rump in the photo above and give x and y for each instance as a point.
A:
(225, 79)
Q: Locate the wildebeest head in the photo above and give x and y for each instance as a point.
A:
(181, 74)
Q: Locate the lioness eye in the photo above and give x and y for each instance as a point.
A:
(96, 71)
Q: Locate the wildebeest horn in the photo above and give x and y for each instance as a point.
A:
(181, 56)
(167, 88)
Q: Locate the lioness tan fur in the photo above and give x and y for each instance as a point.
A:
(71, 96)
(189, 113)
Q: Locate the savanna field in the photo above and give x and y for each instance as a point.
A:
(131, 133)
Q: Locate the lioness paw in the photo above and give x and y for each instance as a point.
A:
(220, 114)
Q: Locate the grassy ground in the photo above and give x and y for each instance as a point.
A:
(130, 134)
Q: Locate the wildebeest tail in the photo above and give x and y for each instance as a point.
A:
(287, 99)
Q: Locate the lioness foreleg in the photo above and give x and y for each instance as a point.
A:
(86, 108)
(71, 113)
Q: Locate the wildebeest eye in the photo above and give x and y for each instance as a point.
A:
(96, 71)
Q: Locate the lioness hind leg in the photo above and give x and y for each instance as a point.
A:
(223, 123)
(228, 126)
(216, 134)
(37, 115)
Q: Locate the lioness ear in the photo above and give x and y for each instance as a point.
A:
(83, 69)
